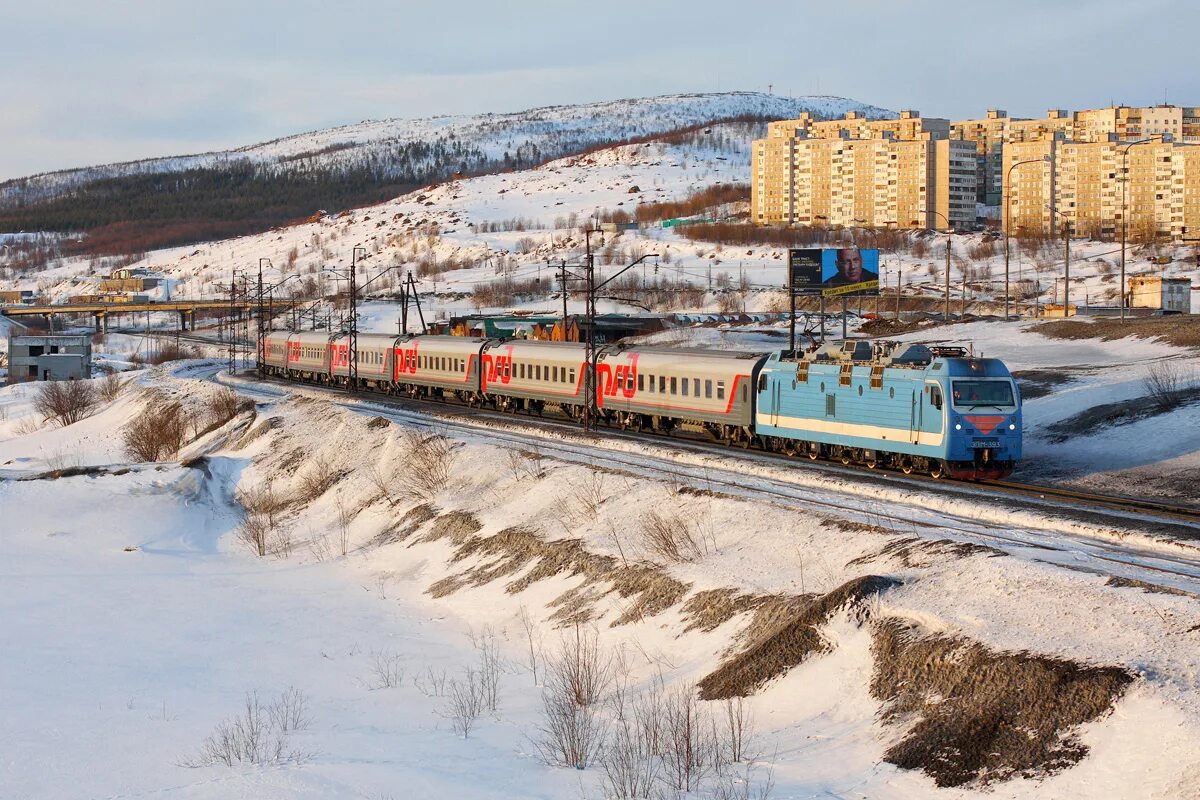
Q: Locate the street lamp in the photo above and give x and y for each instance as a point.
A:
(1124, 208)
(1066, 226)
(1008, 223)
(949, 241)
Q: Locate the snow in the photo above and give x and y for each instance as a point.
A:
(134, 620)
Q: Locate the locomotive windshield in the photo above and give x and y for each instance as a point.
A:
(983, 393)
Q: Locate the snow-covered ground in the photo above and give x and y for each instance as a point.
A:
(135, 619)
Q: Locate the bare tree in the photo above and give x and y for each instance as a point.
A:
(387, 670)
(688, 746)
(572, 730)
(533, 641)
(1166, 383)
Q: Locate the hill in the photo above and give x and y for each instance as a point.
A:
(140, 205)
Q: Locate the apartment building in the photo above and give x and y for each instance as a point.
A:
(1080, 184)
(909, 125)
(991, 132)
(875, 181)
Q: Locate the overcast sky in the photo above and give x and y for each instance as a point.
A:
(88, 82)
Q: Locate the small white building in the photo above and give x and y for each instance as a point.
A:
(1172, 295)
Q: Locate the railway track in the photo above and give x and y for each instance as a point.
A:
(1002, 523)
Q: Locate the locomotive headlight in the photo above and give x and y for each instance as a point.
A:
(958, 426)
(1012, 426)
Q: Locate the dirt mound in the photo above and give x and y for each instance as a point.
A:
(983, 716)
(886, 326)
(783, 634)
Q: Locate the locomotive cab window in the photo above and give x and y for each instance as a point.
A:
(935, 397)
(762, 383)
(982, 393)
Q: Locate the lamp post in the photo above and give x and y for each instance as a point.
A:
(949, 242)
(1124, 206)
(1008, 223)
(1066, 228)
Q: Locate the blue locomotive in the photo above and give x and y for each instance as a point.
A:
(909, 407)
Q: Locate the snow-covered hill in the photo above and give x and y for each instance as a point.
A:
(422, 148)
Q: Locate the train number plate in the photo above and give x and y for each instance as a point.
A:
(979, 444)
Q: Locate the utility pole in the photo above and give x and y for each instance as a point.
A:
(899, 270)
(1125, 209)
(562, 282)
(262, 322)
(1066, 268)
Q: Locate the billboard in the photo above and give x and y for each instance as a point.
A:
(834, 272)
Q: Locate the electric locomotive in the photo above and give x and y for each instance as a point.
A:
(911, 407)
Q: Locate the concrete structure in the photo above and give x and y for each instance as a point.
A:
(48, 358)
(1172, 295)
(858, 172)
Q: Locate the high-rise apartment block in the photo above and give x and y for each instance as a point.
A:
(857, 172)
(1082, 185)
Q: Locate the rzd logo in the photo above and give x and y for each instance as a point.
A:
(294, 351)
(497, 367)
(620, 380)
(340, 355)
(406, 360)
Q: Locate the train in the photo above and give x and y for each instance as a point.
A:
(938, 411)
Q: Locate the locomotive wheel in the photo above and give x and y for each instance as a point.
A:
(937, 469)
(906, 467)
(814, 453)
(847, 456)
(872, 462)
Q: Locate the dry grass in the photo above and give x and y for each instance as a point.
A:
(1181, 331)
(110, 387)
(220, 407)
(668, 535)
(518, 551)
(428, 465)
(409, 524)
(913, 551)
(318, 477)
(708, 610)
(257, 432)
(983, 716)
(784, 633)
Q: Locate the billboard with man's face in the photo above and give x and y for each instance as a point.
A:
(834, 271)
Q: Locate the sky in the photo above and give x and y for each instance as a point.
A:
(89, 83)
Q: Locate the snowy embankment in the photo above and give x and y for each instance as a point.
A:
(137, 617)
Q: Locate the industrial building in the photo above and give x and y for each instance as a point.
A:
(57, 357)
(1171, 295)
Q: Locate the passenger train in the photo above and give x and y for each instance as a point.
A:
(937, 411)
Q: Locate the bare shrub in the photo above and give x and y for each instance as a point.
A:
(572, 730)
(588, 493)
(526, 463)
(220, 407)
(429, 463)
(290, 712)
(158, 433)
(261, 508)
(387, 670)
(65, 402)
(1165, 384)
(466, 702)
(734, 730)
(630, 759)
(533, 641)
(742, 784)
(170, 350)
(110, 387)
(316, 479)
(689, 748)
(432, 683)
(490, 665)
(252, 737)
(668, 535)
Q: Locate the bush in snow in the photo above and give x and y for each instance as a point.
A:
(65, 402)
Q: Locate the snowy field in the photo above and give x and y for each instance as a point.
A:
(136, 616)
